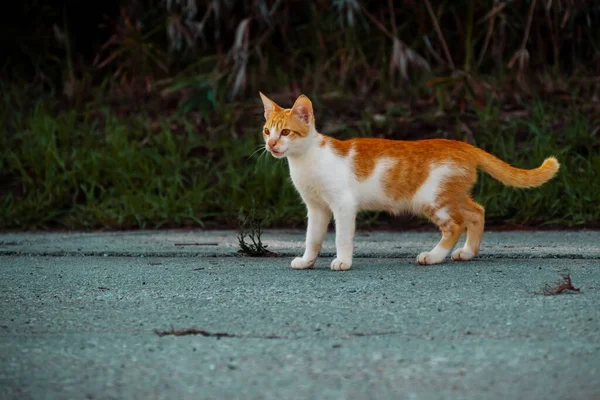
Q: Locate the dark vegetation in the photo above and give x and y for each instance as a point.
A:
(143, 114)
(250, 235)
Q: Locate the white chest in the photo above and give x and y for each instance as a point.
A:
(309, 182)
(320, 176)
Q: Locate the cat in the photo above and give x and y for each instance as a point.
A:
(339, 178)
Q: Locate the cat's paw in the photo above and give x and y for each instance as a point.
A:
(463, 254)
(301, 263)
(430, 257)
(340, 265)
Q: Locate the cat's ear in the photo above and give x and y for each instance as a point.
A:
(303, 109)
(270, 106)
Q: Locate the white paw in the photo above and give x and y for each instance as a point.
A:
(301, 263)
(430, 257)
(339, 265)
(462, 254)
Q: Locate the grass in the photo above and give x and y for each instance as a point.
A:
(91, 168)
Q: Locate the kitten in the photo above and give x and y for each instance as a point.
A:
(339, 178)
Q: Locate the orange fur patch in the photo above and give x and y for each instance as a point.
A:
(284, 119)
(411, 158)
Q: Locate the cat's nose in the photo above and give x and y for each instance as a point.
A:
(272, 143)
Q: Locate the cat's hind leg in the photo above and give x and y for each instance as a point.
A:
(474, 216)
(451, 224)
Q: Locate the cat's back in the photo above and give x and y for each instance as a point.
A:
(369, 151)
(391, 147)
(362, 155)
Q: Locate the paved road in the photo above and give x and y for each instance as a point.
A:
(78, 314)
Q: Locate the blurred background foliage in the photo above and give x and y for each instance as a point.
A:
(144, 113)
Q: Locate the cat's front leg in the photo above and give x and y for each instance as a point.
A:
(319, 217)
(345, 222)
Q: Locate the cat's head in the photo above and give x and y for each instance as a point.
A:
(291, 131)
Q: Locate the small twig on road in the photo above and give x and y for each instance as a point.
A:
(560, 287)
(197, 269)
(218, 335)
(155, 263)
(103, 288)
(191, 331)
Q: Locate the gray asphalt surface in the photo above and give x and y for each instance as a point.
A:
(78, 314)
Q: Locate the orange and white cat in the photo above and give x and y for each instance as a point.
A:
(340, 178)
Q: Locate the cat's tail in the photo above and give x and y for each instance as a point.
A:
(517, 177)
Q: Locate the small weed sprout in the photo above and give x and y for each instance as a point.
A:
(250, 227)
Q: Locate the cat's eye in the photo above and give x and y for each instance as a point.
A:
(266, 131)
(285, 132)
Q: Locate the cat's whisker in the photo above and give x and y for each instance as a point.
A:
(261, 156)
(262, 147)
